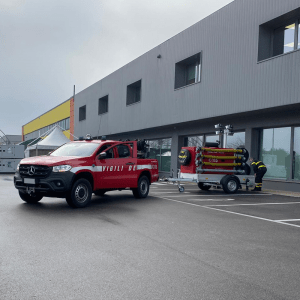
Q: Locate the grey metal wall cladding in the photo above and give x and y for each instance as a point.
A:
(232, 79)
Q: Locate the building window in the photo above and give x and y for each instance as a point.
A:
(188, 71)
(68, 124)
(279, 36)
(296, 155)
(103, 105)
(82, 113)
(284, 39)
(275, 152)
(161, 150)
(134, 92)
(194, 141)
(236, 141)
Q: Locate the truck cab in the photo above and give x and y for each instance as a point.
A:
(77, 169)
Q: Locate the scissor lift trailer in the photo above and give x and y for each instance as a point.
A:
(213, 166)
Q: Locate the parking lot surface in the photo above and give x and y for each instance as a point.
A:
(171, 245)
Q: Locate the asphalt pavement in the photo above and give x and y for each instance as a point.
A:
(171, 245)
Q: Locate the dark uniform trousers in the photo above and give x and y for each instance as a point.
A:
(260, 170)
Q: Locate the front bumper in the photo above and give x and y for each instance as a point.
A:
(53, 185)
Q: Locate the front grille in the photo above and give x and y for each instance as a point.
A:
(34, 171)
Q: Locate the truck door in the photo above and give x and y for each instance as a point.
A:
(125, 161)
(104, 167)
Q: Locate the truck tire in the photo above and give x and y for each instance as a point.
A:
(230, 184)
(143, 188)
(100, 192)
(203, 187)
(81, 194)
(184, 157)
(33, 198)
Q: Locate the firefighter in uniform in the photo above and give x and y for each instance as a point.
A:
(260, 170)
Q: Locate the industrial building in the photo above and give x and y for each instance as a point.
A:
(61, 115)
(238, 66)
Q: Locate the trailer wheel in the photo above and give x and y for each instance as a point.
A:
(184, 157)
(203, 187)
(230, 184)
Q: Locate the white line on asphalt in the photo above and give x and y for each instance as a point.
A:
(225, 195)
(256, 204)
(231, 212)
(289, 220)
(175, 190)
(211, 200)
(169, 193)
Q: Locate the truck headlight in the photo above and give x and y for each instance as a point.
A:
(18, 166)
(62, 168)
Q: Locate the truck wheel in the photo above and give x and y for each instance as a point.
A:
(100, 192)
(230, 184)
(143, 188)
(81, 194)
(203, 187)
(33, 198)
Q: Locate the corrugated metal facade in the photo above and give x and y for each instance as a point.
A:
(233, 82)
(232, 79)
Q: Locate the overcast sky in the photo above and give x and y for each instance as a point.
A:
(47, 47)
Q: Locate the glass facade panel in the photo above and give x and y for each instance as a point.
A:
(161, 150)
(284, 39)
(236, 140)
(289, 38)
(298, 35)
(275, 151)
(296, 154)
(211, 138)
(195, 141)
(191, 74)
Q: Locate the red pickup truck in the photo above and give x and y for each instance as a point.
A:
(77, 169)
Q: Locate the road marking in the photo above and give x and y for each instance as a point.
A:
(169, 193)
(231, 212)
(224, 195)
(247, 204)
(289, 220)
(211, 200)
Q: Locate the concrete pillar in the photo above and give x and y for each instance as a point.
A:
(252, 143)
(177, 143)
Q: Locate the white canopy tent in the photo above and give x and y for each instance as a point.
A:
(54, 140)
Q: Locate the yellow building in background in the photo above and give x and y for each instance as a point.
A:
(61, 115)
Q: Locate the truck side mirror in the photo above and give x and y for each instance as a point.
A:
(102, 155)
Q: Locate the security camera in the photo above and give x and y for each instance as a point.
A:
(218, 126)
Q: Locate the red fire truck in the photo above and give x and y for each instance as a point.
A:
(77, 169)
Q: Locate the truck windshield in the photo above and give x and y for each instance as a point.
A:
(76, 149)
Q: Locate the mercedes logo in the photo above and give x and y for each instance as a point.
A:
(31, 170)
